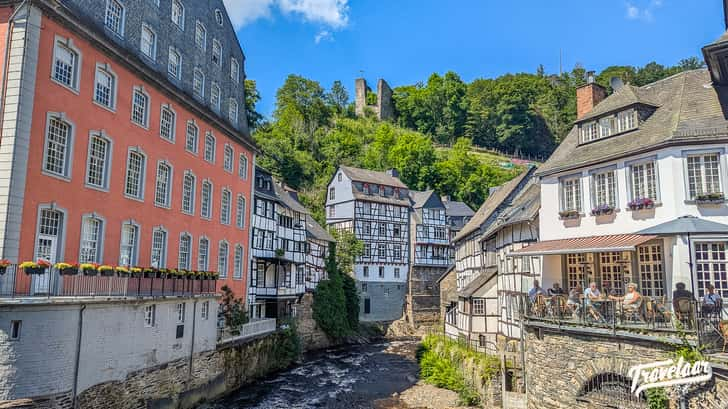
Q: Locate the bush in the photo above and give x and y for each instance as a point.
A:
(288, 346)
(351, 298)
(329, 302)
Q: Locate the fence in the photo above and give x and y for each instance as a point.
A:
(15, 284)
(248, 330)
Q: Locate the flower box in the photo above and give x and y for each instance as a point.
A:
(122, 271)
(106, 271)
(642, 203)
(4, 264)
(66, 269)
(89, 269)
(602, 210)
(569, 214)
(716, 197)
(35, 268)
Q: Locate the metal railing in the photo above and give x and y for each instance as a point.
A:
(14, 283)
(247, 330)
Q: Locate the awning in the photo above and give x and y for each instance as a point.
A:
(593, 244)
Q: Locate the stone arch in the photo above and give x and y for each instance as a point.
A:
(612, 390)
(591, 368)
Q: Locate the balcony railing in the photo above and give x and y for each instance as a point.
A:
(247, 330)
(16, 284)
(652, 316)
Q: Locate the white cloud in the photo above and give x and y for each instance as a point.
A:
(644, 13)
(329, 14)
(632, 11)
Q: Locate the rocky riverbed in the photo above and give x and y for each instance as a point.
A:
(375, 376)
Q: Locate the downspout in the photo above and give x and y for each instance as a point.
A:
(192, 343)
(78, 355)
(249, 276)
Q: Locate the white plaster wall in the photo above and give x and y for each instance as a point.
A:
(388, 273)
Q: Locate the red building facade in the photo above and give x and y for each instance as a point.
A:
(106, 159)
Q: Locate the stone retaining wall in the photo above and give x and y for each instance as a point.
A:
(560, 364)
(312, 337)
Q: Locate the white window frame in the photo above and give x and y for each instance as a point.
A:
(150, 314)
(233, 111)
(60, 234)
(177, 72)
(200, 28)
(240, 211)
(206, 204)
(162, 250)
(243, 166)
(142, 173)
(140, 90)
(625, 120)
(181, 23)
(239, 262)
(227, 158)
(720, 153)
(216, 52)
(223, 263)
(181, 309)
(68, 44)
(478, 306)
(153, 52)
(173, 123)
(184, 237)
(191, 210)
(105, 69)
(168, 189)
(106, 168)
(209, 137)
(641, 167)
(565, 183)
(196, 137)
(225, 211)
(122, 18)
(99, 242)
(589, 131)
(215, 103)
(134, 259)
(606, 127)
(205, 310)
(68, 148)
(198, 77)
(234, 70)
(203, 254)
(601, 181)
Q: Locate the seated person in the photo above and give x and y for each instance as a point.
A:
(592, 293)
(574, 301)
(681, 293)
(632, 300)
(556, 290)
(535, 291)
(712, 302)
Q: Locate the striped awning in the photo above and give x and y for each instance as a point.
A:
(593, 244)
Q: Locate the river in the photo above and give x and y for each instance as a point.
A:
(355, 377)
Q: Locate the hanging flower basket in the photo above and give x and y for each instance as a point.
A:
(4, 264)
(66, 269)
(35, 267)
(643, 203)
(89, 269)
(601, 210)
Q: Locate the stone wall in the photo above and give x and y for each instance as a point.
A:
(312, 337)
(560, 364)
(386, 300)
(423, 298)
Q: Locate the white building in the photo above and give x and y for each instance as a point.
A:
(318, 242)
(375, 206)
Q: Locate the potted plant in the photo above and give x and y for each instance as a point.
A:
(569, 214)
(106, 270)
(122, 271)
(136, 271)
(641, 203)
(4, 264)
(35, 267)
(89, 269)
(602, 209)
(280, 253)
(715, 197)
(66, 269)
(150, 272)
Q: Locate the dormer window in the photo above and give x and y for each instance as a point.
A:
(625, 121)
(588, 132)
(607, 126)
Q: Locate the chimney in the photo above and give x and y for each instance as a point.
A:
(445, 198)
(589, 95)
(393, 173)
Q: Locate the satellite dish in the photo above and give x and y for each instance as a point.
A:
(616, 83)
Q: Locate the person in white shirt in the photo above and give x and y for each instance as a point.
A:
(593, 296)
(535, 291)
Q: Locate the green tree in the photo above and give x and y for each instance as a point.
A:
(329, 301)
(347, 249)
(252, 97)
(338, 98)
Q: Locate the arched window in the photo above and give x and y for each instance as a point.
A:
(233, 112)
(163, 188)
(206, 199)
(184, 259)
(189, 182)
(92, 235)
(159, 247)
(178, 14)
(240, 212)
(210, 147)
(222, 259)
(129, 247)
(227, 162)
(218, 16)
(98, 161)
(238, 268)
(58, 144)
(200, 35)
(191, 136)
(203, 254)
(225, 206)
(243, 167)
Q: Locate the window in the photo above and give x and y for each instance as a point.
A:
(50, 232)
(625, 121)
(610, 266)
(181, 313)
(606, 127)
(396, 272)
(164, 183)
(703, 174)
(189, 181)
(332, 193)
(15, 326)
(200, 35)
(216, 52)
(66, 65)
(364, 287)
(206, 197)
(382, 229)
(234, 70)
(243, 167)
(366, 271)
(140, 108)
(240, 212)
(228, 158)
(381, 271)
(129, 242)
(105, 87)
(238, 268)
(386, 292)
(478, 306)
(178, 14)
(184, 258)
(148, 42)
(222, 259)
(233, 112)
(209, 147)
(203, 254)
(218, 16)
(575, 266)
(58, 148)
(571, 194)
(652, 276)
(114, 20)
(710, 267)
(159, 248)
(339, 177)
(605, 189)
(397, 251)
(135, 168)
(264, 208)
(215, 97)
(643, 181)
(225, 206)
(205, 310)
(167, 123)
(440, 233)
(99, 158)
(150, 313)
(198, 83)
(191, 137)
(91, 236)
(174, 65)
(588, 132)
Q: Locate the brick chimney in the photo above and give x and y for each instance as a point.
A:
(588, 96)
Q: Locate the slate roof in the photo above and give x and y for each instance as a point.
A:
(623, 97)
(420, 198)
(492, 204)
(458, 209)
(689, 110)
(478, 282)
(524, 207)
(315, 230)
(285, 198)
(372, 176)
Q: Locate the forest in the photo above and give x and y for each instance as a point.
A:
(313, 130)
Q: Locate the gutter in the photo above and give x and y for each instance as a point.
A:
(78, 356)
(192, 343)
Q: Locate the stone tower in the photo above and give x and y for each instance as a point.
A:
(383, 109)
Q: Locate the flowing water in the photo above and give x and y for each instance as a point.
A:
(355, 377)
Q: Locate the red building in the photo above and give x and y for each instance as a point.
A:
(124, 136)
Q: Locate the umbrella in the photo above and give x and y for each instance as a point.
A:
(686, 225)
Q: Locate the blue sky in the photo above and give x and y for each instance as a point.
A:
(404, 41)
